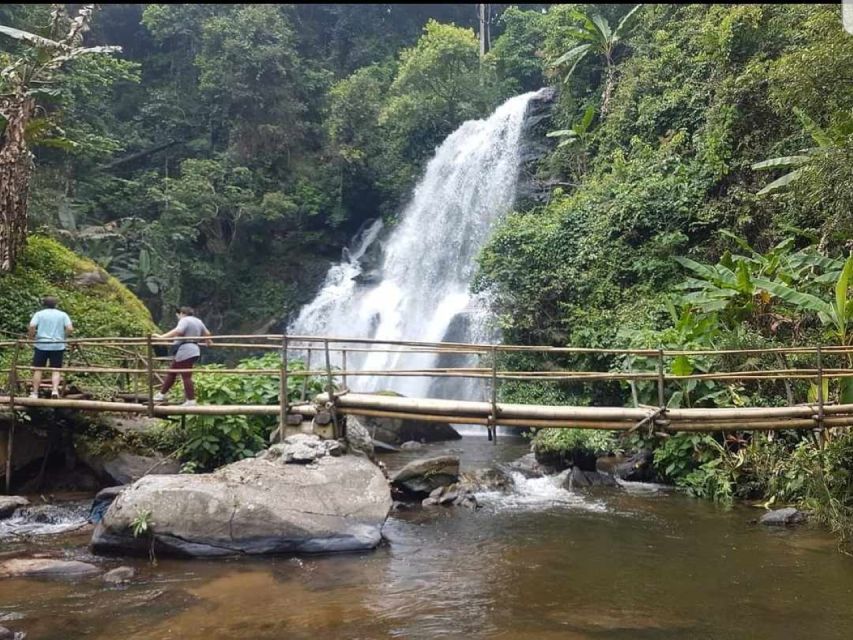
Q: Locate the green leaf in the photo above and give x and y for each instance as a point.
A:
(603, 27)
(574, 53)
(812, 394)
(681, 366)
(623, 23)
(703, 270)
(796, 298)
(845, 392)
(784, 181)
(586, 120)
(782, 161)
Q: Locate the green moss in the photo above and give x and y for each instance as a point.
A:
(48, 268)
(565, 441)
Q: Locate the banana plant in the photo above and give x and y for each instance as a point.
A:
(836, 314)
(825, 141)
(594, 35)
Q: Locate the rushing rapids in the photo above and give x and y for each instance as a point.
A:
(423, 287)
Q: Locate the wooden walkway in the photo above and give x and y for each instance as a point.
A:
(128, 371)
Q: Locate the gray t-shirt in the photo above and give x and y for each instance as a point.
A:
(190, 327)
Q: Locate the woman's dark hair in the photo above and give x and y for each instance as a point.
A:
(49, 302)
(187, 311)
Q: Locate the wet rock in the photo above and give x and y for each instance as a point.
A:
(451, 495)
(556, 461)
(301, 448)
(485, 480)
(782, 517)
(255, 506)
(579, 479)
(8, 634)
(633, 468)
(411, 444)
(46, 567)
(125, 467)
(119, 575)
(423, 476)
(10, 504)
(528, 466)
(103, 499)
(358, 438)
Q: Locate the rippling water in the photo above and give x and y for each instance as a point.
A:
(541, 564)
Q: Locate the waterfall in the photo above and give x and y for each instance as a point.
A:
(428, 260)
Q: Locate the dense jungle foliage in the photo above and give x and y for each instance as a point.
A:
(697, 193)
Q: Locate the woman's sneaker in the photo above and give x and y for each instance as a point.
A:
(34, 395)
(54, 395)
(189, 403)
(159, 397)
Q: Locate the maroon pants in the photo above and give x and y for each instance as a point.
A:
(187, 377)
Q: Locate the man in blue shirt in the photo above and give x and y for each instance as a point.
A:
(49, 328)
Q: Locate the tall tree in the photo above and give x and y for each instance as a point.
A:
(24, 77)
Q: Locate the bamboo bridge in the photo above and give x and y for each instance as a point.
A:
(128, 371)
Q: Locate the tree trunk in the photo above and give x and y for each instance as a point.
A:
(609, 82)
(16, 166)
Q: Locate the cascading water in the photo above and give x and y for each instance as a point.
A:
(429, 259)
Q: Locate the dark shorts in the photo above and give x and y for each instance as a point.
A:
(41, 358)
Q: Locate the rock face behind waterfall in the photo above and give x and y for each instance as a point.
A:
(269, 504)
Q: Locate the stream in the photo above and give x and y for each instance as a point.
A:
(635, 562)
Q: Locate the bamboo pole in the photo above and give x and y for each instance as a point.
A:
(344, 365)
(150, 349)
(10, 439)
(331, 390)
(282, 390)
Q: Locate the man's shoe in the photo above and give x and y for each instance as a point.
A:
(34, 395)
(189, 403)
(54, 395)
(159, 397)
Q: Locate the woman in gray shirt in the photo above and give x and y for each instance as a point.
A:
(186, 354)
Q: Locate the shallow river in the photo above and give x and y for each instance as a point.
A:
(539, 564)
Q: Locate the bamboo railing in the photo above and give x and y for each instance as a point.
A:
(128, 366)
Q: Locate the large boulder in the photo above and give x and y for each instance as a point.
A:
(577, 478)
(422, 477)
(254, 506)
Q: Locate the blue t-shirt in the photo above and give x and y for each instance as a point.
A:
(50, 326)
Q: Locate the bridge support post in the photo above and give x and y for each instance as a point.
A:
(10, 439)
(150, 350)
(661, 391)
(821, 428)
(282, 390)
(493, 419)
(331, 390)
(304, 393)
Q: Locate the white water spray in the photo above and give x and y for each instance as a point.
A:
(429, 259)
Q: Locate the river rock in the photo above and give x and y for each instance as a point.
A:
(301, 448)
(46, 567)
(528, 466)
(634, 468)
(782, 517)
(421, 477)
(254, 506)
(396, 431)
(125, 467)
(577, 478)
(486, 480)
(358, 438)
(8, 634)
(103, 499)
(452, 494)
(411, 444)
(10, 504)
(119, 575)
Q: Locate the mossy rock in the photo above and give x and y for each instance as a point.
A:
(99, 305)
